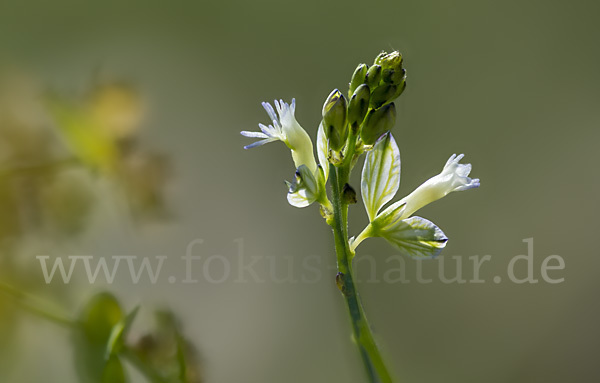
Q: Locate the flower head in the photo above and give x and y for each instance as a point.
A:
(415, 236)
(454, 177)
(285, 128)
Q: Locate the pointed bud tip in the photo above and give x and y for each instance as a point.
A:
(334, 98)
(389, 60)
(335, 114)
(359, 105)
(373, 76)
(358, 77)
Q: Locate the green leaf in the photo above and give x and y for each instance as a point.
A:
(380, 175)
(414, 236)
(97, 320)
(100, 315)
(181, 358)
(113, 371)
(119, 331)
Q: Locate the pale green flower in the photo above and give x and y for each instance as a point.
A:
(305, 190)
(454, 177)
(414, 236)
(310, 179)
(285, 128)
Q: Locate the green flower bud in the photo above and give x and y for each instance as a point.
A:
(358, 78)
(379, 57)
(382, 95)
(348, 194)
(373, 76)
(389, 60)
(393, 76)
(377, 122)
(400, 88)
(335, 113)
(387, 93)
(359, 104)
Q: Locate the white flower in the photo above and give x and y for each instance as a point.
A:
(414, 236)
(285, 128)
(305, 190)
(454, 177)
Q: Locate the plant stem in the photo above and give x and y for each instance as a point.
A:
(32, 305)
(371, 357)
(366, 233)
(38, 168)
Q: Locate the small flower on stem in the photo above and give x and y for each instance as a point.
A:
(310, 179)
(454, 177)
(414, 236)
(285, 128)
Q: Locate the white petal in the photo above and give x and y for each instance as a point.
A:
(259, 143)
(463, 170)
(253, 134)
(296, 138)
(454, 177)
(300, 199)
(268, 130)
(270, 111)
(305, 190)
(474, 183)
(450, 160)
(380, 175)
(415, 236)
(323, 150)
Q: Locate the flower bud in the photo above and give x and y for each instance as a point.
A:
(400, 88)
(382, 95)
(335, 113)
(387, 93)
(358, 78)
(348, 194)
(377, 122)
(389, 60)
(359, 104)
(378, 58)
(373, 76)
(393, 76)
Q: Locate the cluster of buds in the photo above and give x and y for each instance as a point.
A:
(371, 111)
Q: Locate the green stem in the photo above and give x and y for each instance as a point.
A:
(366, 233)
(32, 305)
(371, 357)
(38, 168)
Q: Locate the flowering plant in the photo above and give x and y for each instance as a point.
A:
(348, 130)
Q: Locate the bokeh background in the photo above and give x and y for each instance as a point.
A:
(513, 84)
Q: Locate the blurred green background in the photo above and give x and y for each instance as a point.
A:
(513, 84)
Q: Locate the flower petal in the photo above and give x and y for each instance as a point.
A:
(454, 177)
(323, 150)
(415, 236)
(270, 111)
(246, 133)
(305, 190)
(296, 137)
(300, 198)
(259, 143)
(380, 175)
